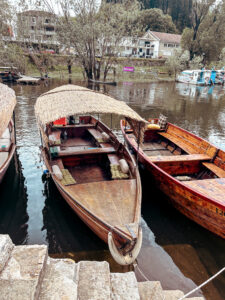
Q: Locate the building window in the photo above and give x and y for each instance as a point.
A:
(32, 27)
(49, 28)
(34, 20)
(47, 21)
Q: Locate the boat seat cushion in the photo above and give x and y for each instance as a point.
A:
(3, 158)
(67, 178)
(5, 144)
(117, 173)
(162, 122)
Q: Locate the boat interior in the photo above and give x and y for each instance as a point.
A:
(5, 144)
(185, 156)
(88, 150)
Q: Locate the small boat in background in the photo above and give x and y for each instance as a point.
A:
(7, 132)
(188, 169)
(9, 74)
(201, 77)
(102, 82)
(92, 170)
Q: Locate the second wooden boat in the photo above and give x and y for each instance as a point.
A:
(188, 169)
(92, 170)
(7, 133)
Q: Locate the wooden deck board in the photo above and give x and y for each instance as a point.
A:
(76, 141)
(212, 188)
(216, 170)
(113, 201)
(179, 143)
(171, 158)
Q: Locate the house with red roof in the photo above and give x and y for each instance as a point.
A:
(158, 44)
(151, 45)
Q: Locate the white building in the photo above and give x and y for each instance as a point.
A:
(151, 45)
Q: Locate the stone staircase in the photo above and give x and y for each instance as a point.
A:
(27, 272)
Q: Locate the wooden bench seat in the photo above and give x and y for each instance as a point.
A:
(95, 133)
(178, 141)
(114, 159)
(216, 170)
(75, 151)
(172, 158)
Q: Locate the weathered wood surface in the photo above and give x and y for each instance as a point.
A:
(216, 170)
(178, 158)
(202, 200)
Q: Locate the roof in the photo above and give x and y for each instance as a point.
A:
(36, 13)
(68, 100)
(167, 37)
(7, 104)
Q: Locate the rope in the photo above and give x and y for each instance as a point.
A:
(203, 284)
(191, 292)
(146, 278)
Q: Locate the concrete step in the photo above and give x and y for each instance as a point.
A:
(22, 276)
(150, 290)
(59, 280)
(195, 298)
(173, 295)
(93, 280)
(6, 247)
(124, 286)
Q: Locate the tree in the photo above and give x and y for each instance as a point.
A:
(5, 16)
(206, 37)
(154, 19)
(178, 61)
(179, 10)
(96, 34)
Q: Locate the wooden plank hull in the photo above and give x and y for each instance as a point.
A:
(5, 166)
(195, 205)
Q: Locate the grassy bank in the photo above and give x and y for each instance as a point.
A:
(140, 74)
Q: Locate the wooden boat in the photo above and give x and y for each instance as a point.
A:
(188, 169)
(9, 74)
(102, 82)
(88, 155)
(7, 133)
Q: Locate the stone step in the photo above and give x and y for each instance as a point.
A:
(22, 276)
(173, 295)
(124, 286)
(195, 298)
(93, 280)
(150, 290)
(6, 247)
(59, 280)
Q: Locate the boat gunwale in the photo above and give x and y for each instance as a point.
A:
(171, 178)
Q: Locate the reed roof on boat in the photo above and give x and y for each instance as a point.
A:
(7, 104)
(68, 100)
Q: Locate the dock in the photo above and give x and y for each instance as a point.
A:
(28, 273)
(29, 80)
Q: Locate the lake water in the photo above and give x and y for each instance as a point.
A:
(176, 251)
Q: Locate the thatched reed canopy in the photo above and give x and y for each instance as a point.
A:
(68, 100)
(7, 104)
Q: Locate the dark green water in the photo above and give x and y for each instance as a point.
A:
(33, 212)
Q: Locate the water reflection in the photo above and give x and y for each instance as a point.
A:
(34, 212)
(13, 204)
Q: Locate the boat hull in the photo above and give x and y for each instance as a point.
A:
(192, 204)
(5, 166)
